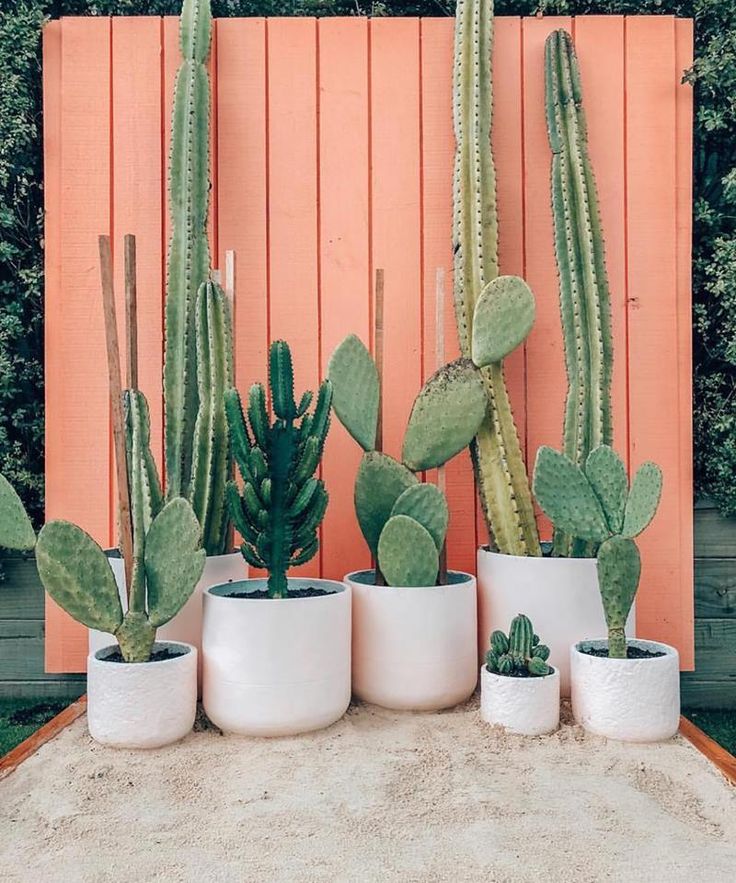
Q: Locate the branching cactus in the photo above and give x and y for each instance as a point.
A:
(501, 475)
(16, 530)
(584, 294)
(281, 505)
(403, 521)
(519, 654)
(594, 503)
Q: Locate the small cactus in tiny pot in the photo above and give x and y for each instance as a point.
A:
(518, 654)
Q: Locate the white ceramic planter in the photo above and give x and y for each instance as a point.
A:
(186, 626)
(559, 595)
(527, 706)
(141, 704)
(276, 667)
(414, 648)
(633, 700)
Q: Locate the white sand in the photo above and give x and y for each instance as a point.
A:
(380, 796)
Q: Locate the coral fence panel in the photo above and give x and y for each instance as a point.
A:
(332, 155)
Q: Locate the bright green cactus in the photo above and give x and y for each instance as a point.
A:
(520, 654)
(584, 292)
(595, 504)
(281, 505)
(16, 530)
(501, 475)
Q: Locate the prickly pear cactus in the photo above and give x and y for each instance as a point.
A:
(426, 504)
(520, 654)
(407, 553)
(355, 390)
(281, 505)
(16, 530)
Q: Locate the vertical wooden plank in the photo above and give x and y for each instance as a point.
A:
(293, 216)
(438, 149)
(546, 381)
(137, 195)
(344, 251)
(396, 212)
(654, 371)
(77, 417)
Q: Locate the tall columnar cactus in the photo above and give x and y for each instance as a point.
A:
(16, 530)
(198, 359)
(282, 504)
(584, 294)
(595, 503)
(501, 475)
(520, 654)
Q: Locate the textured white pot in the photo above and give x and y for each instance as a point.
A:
(633, 700)
(276, 667)
(559, 595)
(186, 626)
(414, 648)
(141, 704)
(528, 706)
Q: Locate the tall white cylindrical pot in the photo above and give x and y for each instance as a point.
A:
(414, 648)
(559, 595)
(632, 700)
(527, 706)
(276, 666)
(142, 704)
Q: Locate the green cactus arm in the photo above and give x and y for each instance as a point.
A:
(135, 635)
(258, 416)
(281, 379)
(379, 483)
(320, 422)
(354, 379)
(174, 560)
(644, 497)
(16, 530)
(619, 570)
(606, 472)
(407, 553)
(504, 316)
(240, 440)
(426, 504)
(77, 575)
(445, 416)
(195, 30)
(520, 636)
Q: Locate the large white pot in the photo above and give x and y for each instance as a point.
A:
(527, 706)
(141, 704)
(559, 595)
(276, 666)
(414, 648)
(633, 700)
(186, 626)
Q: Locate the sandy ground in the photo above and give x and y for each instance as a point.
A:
(380, 796)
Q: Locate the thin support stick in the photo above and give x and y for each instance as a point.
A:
(378, 340)
(116, 401)
(440, 361)
(131, 312)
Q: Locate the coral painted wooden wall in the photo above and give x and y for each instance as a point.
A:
(331, 156)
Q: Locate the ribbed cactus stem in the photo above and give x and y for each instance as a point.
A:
(499, 466)
(584, 292)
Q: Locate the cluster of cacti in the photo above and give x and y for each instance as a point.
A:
(519, 654)
(281, 505)
(584, 294)
(198, 355)
(16, 530)
(501, 476)
(594, 503)
(404, 522)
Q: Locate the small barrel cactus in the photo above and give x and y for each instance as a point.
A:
(16, 530)
(594, 503)
(519, 654)
(281, 505)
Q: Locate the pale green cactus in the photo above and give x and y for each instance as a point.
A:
(356, 393)
(426, 504)
(584, 292)
(595, 504)
(16, 530)
(407, 553)
(520, 654)
(501, 475)
(380, 482)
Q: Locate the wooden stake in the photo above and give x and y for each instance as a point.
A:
(116, 400)
(378, 357)
(439, 362)
(131, 312)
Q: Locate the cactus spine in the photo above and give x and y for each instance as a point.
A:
(584, 293)
(520, 654)
(499, 466)
(281, 505)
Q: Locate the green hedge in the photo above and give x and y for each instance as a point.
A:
(21, 199)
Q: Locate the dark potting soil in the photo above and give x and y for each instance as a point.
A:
(518, 674)
(310, 592)
(156, 656)
(631, 652)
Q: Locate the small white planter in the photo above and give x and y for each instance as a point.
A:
(527, 706)
(141, 704)
(276, 667)
(414, 648)
(186, 626)
(633, 700)
(559, 595)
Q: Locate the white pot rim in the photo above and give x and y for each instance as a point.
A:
(643, 643)
(465, 578)
(217, 592)
(555, 673)
(550, 560)
(188, 648)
